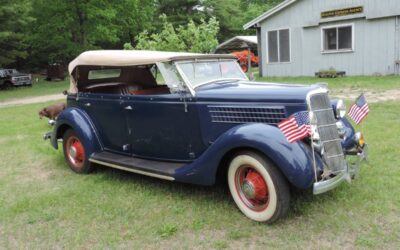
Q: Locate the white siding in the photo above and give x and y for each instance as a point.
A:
(376, 41)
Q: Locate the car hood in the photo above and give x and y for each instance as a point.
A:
(246, 91)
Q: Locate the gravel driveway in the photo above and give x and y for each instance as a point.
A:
(30, 100)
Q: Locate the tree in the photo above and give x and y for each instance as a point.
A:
(180, 12)
(233, 14)
(63, 29)
(134, 16)
(13, 20)
(200, 38)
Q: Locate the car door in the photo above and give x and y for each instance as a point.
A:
(164, 127)
(108, 116)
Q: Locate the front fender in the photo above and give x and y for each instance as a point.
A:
(294, 160)
(80, 122)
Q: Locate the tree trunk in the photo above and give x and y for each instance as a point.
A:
(81, 15)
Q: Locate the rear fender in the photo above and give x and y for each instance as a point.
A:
(293, 159)
(80, 122)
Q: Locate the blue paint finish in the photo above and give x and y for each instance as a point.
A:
(164, 127)
(108, 116)
(80, 122)
(178, 127)
(294, 160)
(244, 91)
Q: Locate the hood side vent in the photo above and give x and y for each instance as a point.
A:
(247, 114)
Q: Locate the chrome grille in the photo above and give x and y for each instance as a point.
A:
(328, 132)
(22, 78)
(247, 114)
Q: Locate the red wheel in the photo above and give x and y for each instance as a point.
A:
(75, 153)
(257, 187)
(251, 188)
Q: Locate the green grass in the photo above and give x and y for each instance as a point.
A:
(377, 83)
(45, 205)
(42, 87)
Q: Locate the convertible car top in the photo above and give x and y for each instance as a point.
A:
(124, 58)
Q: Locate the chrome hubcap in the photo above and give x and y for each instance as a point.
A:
(248, 189)
(72, 152)
(252, 188)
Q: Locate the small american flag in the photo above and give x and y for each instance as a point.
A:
(359, 110)
(296, 127)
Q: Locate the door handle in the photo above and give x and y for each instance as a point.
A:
(87, 104)
(128, 107)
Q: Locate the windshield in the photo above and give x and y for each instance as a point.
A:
(203, 72)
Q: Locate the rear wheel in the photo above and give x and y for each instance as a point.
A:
(75, 153)
(257, 187)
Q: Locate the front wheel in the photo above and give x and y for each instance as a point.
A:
(257, 187)
(75, 153)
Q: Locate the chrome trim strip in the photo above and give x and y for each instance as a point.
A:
(330, 140)
(320, 110)
(249, 112)
(333, 156)
(324, 186)
(308, 99)
(164, 177)
(237, 122)
(250, 105)
(247, 117)
(327, 125)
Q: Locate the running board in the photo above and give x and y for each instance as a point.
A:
(157, 169)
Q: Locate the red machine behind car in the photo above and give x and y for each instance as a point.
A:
(242, 57)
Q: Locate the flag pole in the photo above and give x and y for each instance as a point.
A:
(362, 124)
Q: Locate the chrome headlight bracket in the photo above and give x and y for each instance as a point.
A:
(340, 109)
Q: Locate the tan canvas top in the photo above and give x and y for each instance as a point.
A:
(131, 58)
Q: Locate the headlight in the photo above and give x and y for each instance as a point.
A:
(341, 129)
(340, 109)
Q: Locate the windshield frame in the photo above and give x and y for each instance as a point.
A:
(192, 88)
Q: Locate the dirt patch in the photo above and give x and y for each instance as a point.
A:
(370, 95)
(30, 100)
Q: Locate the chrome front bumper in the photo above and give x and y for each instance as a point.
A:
(354, 160)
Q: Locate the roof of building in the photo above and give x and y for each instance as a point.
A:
(237, 43)
(134, 57)
(269, 13)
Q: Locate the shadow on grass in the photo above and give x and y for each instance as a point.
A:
(219, 191)
(302, 201)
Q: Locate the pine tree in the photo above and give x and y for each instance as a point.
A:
(14, 17)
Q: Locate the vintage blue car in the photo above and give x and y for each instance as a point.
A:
(195, 117)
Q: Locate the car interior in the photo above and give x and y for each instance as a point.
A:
(127, 80)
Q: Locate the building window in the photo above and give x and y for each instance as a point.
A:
(336, 39)
(278, 46)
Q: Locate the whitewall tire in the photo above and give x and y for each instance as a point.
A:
(257, 187)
